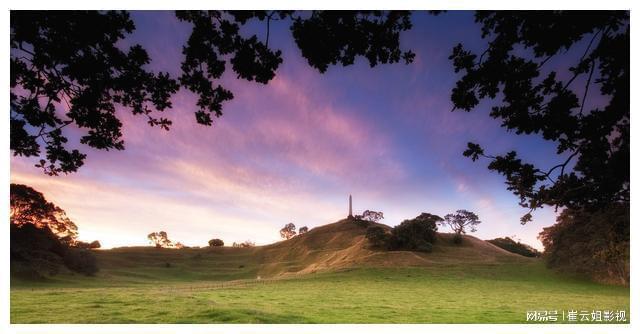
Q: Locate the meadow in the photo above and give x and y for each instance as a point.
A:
(182, 290)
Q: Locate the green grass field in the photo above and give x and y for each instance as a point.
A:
(188, 291)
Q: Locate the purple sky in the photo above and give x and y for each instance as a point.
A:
(293, 150)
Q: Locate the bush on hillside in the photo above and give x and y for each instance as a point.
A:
(594, 243)
(81, 260)
(377, 236)
(244, 244)
(516, 247)
(216, 243)
(35, 252)
(413, 234)
(87, 245)
(425, 247)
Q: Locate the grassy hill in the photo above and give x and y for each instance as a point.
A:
(326, 275)
(329, 247)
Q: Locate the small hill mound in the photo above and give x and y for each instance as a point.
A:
(336, 246)
(343, 245)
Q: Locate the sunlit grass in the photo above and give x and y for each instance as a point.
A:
(488, 293)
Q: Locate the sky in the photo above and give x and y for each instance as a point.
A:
(293, 150)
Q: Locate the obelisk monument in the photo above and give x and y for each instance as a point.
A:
(350, 208)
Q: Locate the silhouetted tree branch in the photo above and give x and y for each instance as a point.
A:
(594, 143)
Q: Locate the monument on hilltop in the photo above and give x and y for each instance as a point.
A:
(350, 208)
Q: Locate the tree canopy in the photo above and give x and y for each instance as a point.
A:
(68, 68)
(160, 239)
(288, 231)
(29, 206)
(372, 216)
(529, 98)
(461, 221)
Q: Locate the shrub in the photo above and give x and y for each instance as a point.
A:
(81, 260)
(361, 222)
(216, 243)
(377, 236)
(412, 234)
(512, 246)
(87, 245)
(594, 243)
(457, 239)
(244, 244)
(35, 252)
(426, 247)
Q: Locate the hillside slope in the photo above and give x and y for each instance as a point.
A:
(329, 247)
(343, 245)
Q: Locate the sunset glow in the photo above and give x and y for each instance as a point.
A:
(293, 150)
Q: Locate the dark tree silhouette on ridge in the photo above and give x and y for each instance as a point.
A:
(303, 230)
(460, 222)
(216, 242)
(160, 239)
(288, 231)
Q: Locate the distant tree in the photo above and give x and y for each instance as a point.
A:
(303, 230)
(459, 222)
(288, 231)
(179, 245)
(75, 68)
(159, 239)
(377, 236)
(594, 244)
(244, 244)
(216, 243)
(415, 234)
(372, 216)
(28, 206)
(513, 246)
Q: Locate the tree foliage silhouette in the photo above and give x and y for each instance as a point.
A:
(160, 239)
(43, 238)
(460, 221)
(66, 68)
(593, 243)
(29, 206)
(288, 231)
(303, 230)
(372, 216)
(216, 242)
(70, 69)
(528, 98)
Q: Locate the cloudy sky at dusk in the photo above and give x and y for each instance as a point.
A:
(293, 150)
